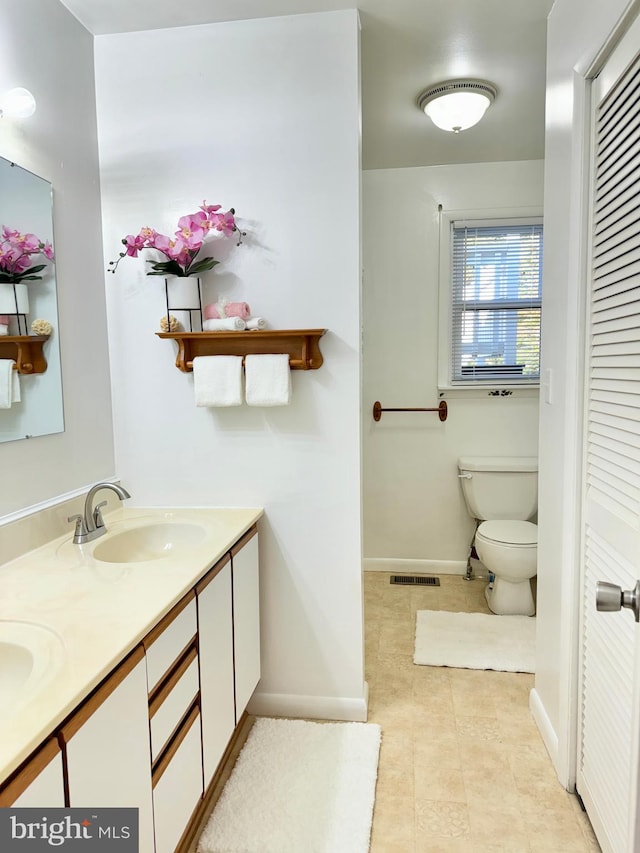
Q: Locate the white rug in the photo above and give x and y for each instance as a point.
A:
(475, 641)
(298, 787)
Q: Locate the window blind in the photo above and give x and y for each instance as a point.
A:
(496, 302)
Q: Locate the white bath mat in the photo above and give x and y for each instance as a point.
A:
(475, 641)
(298, 787)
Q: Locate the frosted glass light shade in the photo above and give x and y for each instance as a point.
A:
(458, 104)
(17, 103)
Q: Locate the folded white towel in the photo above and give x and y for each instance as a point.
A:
(217, 380)
(4, 329)
(227, 324)
(256, 323)
(9, 383)
(267, 380)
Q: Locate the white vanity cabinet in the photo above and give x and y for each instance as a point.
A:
(107, 746)
(158, 732)
(246, 618)
(215, 633)
(40, 783)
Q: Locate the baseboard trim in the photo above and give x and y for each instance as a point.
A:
(421, 567)
(542, 721)
(346, 708)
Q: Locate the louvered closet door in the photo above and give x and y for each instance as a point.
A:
(610, 674)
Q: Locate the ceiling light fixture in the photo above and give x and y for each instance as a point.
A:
(17, 103)
(455, 105)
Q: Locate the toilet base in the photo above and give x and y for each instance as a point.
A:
(507, 598)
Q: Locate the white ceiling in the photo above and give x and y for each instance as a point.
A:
(407, 45)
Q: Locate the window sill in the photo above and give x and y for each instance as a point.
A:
(483, 391)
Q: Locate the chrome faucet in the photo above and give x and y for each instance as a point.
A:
(91, 525)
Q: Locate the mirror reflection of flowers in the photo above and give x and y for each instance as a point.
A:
(183, 248)
(17, 251)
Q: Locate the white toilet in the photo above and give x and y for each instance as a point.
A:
(501, 492)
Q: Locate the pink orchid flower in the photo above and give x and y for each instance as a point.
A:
(133, 244)
(209, 208)
(178, 251)
(21, 264)
(148, 235)
(162, 243)
(223, 222)
(190, 233)
(29, 243)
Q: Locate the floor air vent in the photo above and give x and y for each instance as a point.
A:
(414, 580)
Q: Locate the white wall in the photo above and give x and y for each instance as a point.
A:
(413, 505)
(263, 116)
(45, 49)
(577, 31)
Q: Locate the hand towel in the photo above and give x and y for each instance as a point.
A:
(256, 323)
(267, 380)
(9, 383)
(228, 324)
(4, 329)
(217, 380)
(227, 309)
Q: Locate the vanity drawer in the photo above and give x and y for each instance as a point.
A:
(169, 639)
(172, 700)
(177, 784)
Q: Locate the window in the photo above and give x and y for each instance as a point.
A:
(494, 302)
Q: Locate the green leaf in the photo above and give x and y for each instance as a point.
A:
(204, 265)
(166, 268)
(16, 278)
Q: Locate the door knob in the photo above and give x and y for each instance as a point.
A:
(610, 597)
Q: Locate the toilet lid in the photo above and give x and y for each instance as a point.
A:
(510, 532)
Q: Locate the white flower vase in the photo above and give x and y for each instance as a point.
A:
(183, 293)
(14, 298)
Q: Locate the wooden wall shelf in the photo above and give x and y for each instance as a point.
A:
(26, 351)
(301, 345)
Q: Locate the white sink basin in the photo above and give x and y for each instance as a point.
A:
(30, 656)
(148, 542)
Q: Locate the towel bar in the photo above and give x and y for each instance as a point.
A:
(294, 363)
(441, 410)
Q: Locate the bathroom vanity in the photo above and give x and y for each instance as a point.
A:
(153, 654)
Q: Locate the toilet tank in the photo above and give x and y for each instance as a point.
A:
(500, 487)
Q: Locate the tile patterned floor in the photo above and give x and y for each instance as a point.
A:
(462, 764)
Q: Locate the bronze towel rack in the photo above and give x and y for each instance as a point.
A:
(441, 410)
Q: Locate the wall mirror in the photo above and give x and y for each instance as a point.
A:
(26, 206)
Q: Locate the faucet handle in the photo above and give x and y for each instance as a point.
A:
(97, 515)
(81, 529)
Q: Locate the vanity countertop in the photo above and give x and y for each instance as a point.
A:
(96, 612)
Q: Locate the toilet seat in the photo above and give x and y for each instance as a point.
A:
(514, 533)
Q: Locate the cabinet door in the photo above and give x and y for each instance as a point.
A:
(40, 783)
(170, 639)
(177, 784)
(107, 746)
(215, 637)
(246, 618)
